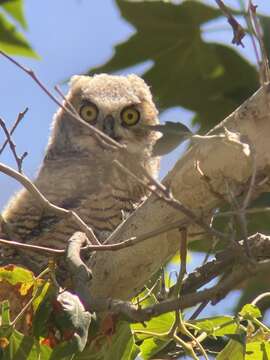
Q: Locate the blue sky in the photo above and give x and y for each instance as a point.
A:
(71, 36)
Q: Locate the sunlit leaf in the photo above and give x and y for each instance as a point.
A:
(148, 334)
(233, 350)
(18, 275)
(158, 325)
(152, 344)
(250, 311)
(15, 9)
(259, 350)
(13, 42)
(217, 325)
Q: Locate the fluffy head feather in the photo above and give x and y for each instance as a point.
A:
(110, 94)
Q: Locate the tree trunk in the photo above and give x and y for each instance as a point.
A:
(227, 158)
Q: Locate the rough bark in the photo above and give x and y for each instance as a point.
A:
(122, 273)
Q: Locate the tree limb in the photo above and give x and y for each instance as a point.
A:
(226, 157)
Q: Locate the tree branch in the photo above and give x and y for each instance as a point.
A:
(226, 157)
(260, 248)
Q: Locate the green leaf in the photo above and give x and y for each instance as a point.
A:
(173, 134)
(43, 310)
(44, 290)
(17, 275)
(13, 42)
(260, 220)
(5, 318)
(15, 9)
(5, 329)
(157, 325)
(65, 351)
(250, 312)
(217, 325)
(24, 348)
(265, 346)
(207, 78)
(123, 346)
(120, 346)
(259, 350)
(151, 344)
(234, 350)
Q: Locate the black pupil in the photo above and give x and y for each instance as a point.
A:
(89, 113)
(130, 116)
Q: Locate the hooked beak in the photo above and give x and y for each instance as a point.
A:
(108, 126)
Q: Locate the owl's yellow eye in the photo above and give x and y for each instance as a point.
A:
(130, 116)
(89, 112)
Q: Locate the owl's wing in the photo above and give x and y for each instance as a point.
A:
(102, 212)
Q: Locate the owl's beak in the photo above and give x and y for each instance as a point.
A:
(108, 126)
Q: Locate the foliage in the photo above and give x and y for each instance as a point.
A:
(11, 40)
(55, 318)
(208, 78)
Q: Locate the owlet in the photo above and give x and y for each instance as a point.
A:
(78, 172)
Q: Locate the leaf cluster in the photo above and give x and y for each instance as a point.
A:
(60, 328)
(12, 40)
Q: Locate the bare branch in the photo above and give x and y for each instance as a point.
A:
(164, 194)
(238, 31)
(93, 129)
(259, 244)
(256, 29)
(11, 131)
(102, 247)
(18, 159)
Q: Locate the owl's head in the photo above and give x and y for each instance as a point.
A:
(119, 106)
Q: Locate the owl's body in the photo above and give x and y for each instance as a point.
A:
(78, 171)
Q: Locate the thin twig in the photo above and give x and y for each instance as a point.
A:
(263, 65)
(199, 309)
(93, 129)
(59, 91)
(18, 159)
(169, 199)
(26, 306)
(238, 31)
(11, 131)
(183, 263)
(247, 198)
(102, 247)
(208, 182)
(260, 297)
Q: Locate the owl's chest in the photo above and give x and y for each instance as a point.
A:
(109, 202)
(95, 189)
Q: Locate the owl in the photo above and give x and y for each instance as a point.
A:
(78, 172)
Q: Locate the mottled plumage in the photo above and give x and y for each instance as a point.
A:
(77, 172)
